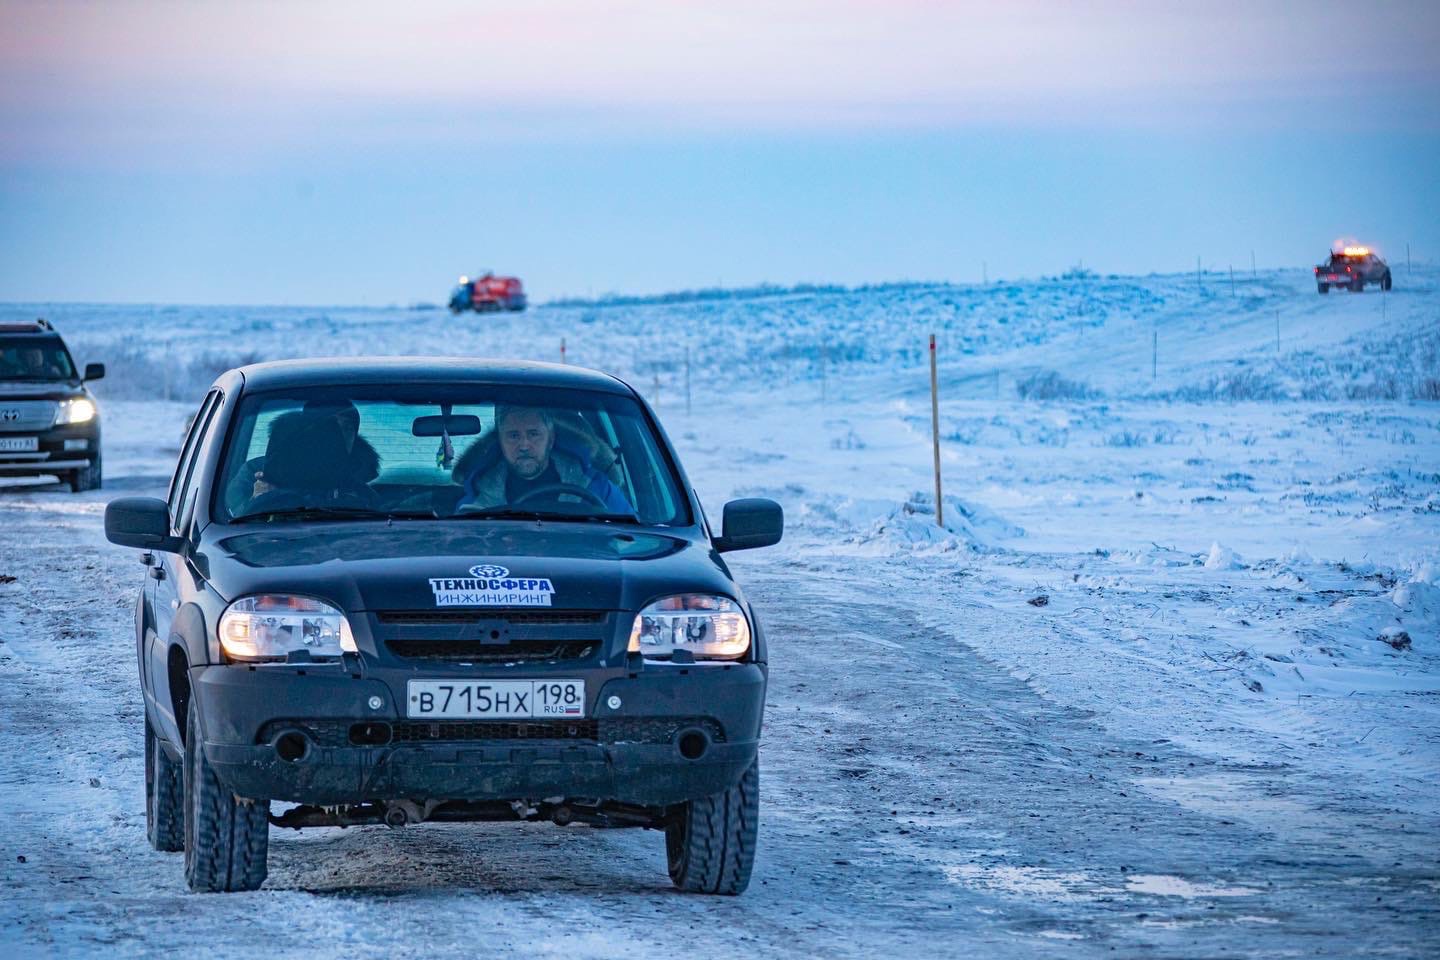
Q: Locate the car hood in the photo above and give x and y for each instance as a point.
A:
(422, 565)
(40, 389)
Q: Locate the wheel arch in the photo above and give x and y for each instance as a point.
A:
(189, 647)
(177, 669)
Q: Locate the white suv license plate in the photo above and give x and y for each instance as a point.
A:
(494, 699)
(19, 444)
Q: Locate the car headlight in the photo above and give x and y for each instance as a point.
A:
(269, 626)
(75, 410)
(711, 628)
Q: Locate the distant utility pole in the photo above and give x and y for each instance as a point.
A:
(1232, 280)
(824, 362)
(657, 388)
(1154, 349)
(1407, 259)
(935, 432)
(1253, 274)
(984, 274)
(1199, 284)
(562, 349)
(1277, 333)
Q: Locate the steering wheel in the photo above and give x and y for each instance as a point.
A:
(556, 489)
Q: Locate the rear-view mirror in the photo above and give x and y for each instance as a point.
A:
(142, 522)
(457, 425)
(749, 523)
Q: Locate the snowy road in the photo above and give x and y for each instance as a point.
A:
(1167, 685)
(914, 796)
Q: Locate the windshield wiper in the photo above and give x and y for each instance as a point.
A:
(605, 517)
(520, 513)
(335, 513)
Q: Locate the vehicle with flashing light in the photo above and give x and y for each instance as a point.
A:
(1352, 267)
(487, 293)
(49, 421)
(408, 590)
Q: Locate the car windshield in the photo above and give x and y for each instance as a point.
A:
(431, 451)
(34, 358)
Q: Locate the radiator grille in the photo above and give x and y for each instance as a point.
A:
(26, 415)
(473, 651)
(422, 731)
(336, 733)
(516, 617)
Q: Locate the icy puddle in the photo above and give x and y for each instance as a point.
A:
(1164, 885)
(1027, 882)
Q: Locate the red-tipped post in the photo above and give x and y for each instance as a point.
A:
(935, 431)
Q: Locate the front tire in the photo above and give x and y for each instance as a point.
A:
(87, 478)
(1385, 282)
(227, 838)
(164, 797)
(710, 842)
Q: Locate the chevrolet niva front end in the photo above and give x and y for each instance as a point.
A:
(406, 591)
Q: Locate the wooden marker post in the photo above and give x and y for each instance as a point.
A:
(1232, 280)
(562, 349)
(657, 388)
(1154, 349)
(1253, 274)
(935, 431)
(1277, 333)
(687, 380)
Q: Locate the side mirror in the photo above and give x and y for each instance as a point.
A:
(94, 371)
(142, 522)
(750, 523)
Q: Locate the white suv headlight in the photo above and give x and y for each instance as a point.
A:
(269, 626)
(711, 628)
(74, 410)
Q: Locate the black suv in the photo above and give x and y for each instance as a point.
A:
(1352, 268)
(49, 422)
(397, 591)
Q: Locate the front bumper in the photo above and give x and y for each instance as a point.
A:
(630, 754)
(59, 450)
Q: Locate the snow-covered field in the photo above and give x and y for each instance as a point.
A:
(1167, 683)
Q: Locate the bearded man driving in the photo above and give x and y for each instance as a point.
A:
(532, 469)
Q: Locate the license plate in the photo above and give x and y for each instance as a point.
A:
(494, 699)
(19, 444)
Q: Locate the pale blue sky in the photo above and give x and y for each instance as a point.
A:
(369, 153)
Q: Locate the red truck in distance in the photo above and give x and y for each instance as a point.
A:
(1352, 267)
(486, 293)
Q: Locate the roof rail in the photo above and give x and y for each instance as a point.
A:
(38, 325)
